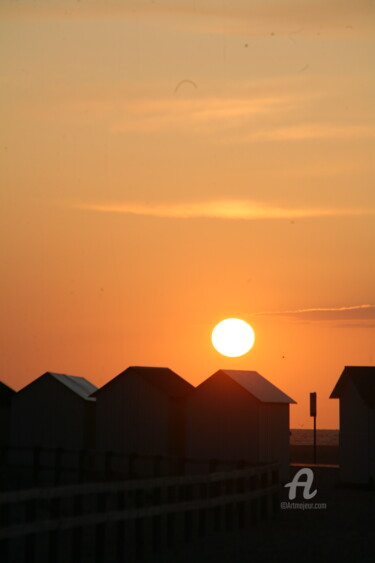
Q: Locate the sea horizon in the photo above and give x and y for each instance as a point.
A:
(305, 436)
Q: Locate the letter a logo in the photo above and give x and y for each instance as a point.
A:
(305, 484)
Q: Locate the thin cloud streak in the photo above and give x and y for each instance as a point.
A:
(226, 209)
(315, 131)
(240, 16)
(250, 119)
(197, 114)
(366, 325)
(349, 313)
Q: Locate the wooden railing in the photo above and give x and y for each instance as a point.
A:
(132, 520)
(24, 467)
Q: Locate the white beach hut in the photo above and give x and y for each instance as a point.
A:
(142, 411)
(355, 390)
(54, 410)
(239, 415)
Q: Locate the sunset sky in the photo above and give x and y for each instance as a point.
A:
(168, 164)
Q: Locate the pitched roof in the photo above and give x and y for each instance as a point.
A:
(6, 394)
(363, 378)
(79, 385)
(164, 379)
(258, 386)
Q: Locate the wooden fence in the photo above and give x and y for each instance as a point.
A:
(25, 467)
(132, 520)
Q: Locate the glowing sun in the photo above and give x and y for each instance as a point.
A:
(233, 337)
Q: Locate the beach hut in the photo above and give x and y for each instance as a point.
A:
(239, 415)
(6, 395)
(142, 411)
(355, 390)
(54, 410)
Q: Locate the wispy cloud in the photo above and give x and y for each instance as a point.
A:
(241, 16)
(235, 119)
(351, 314)
(224, 209)
(197, 114)
(359, 324)
(228, 120)
(314, 131)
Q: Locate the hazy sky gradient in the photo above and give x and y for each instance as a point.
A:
(131, 132)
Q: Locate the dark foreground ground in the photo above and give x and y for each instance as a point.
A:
(342, 532)
(305, 454)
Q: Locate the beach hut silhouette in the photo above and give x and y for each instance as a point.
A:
(355, 390)
(239, 414)
(54, 411)
(6, 395)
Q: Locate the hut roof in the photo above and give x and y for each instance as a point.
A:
(258, 386)
(166, 380)
(363, 378)
(78, 385)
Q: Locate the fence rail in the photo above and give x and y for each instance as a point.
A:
(27, 467)
(132, 520)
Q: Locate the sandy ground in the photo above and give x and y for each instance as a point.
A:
(305, 454)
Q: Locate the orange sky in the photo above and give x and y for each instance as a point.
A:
(166, 165)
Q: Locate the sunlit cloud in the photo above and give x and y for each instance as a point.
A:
(227, 120)
(238, 119)
(224, 209)
(352, 313)
(196, 114)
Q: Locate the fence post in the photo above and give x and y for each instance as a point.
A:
(57, 472)
(81, 465)
(36, 464)
(3, 455)
(132, 458)
(181, 465)
(156, 468)
(108, 456)
(212, 465)
(241, 464)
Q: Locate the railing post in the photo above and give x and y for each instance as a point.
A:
(81, 465)
(241, 464)
(5, 521)
(3, 456)
(181, 466)
(36, 465)
(156, 468)
(212, 464)
(57, 468)
(132, 459)
(108, 456)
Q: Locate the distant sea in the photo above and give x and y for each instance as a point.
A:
(302, 437)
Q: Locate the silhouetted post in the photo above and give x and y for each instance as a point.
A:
(181, 465)
(212, 464)
(241, 464)
(57, 476)
(313, 413)
(157, 463)
(81, 465)
(108, 456)
(36, 461)
(132, 459)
